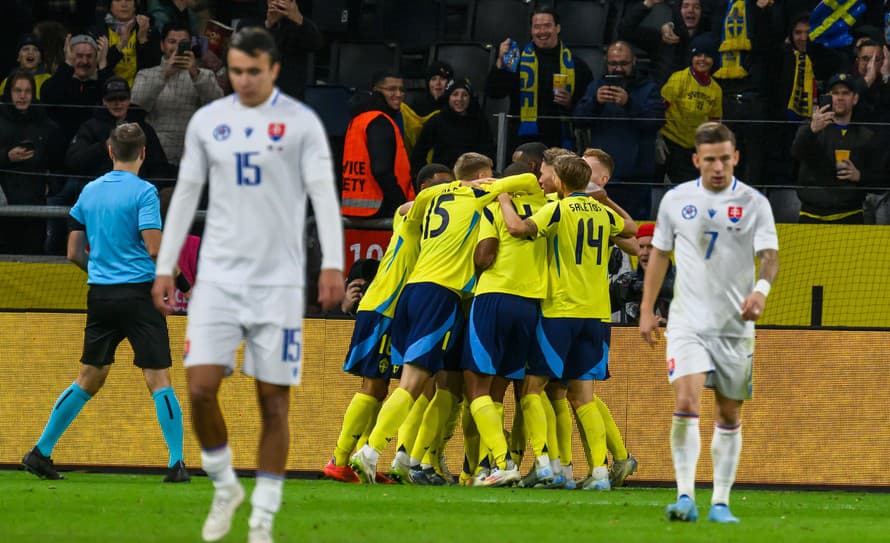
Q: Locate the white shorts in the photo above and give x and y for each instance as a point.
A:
(728, 361)
(269, 319)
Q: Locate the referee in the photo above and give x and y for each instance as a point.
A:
(115, 234)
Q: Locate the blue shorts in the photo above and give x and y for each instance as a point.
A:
(422, 326)
(572, 349)
(500, 335)
(454, 349)
(369, 352)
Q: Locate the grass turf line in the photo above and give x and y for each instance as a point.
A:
(135, 508)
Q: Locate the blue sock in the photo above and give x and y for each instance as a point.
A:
(64, 412)
(170, 418)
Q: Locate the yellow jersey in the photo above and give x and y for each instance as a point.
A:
(450, 215)
(520, 267)
(577, 229)
(395, 265)
(689, 104)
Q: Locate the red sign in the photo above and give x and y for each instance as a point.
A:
(735, 213)
(276, 131)
(364, 244)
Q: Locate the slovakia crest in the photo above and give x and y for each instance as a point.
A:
(276, 131)
(735, 213)
(672, 365)
(222, 132)
(689, 212)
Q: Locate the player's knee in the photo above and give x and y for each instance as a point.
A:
(201, 394)
(687, 403)
(375, 388)
(92, 378)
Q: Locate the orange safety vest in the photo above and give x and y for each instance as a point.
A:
(362, 195)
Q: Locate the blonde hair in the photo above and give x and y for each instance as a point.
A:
(550, 155)
(602, 157)
(573, 171)
(469, 165)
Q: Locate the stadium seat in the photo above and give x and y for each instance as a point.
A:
(593, 56)
(496, 20)
(353, 63)
(469, 60)
(331, 103)
(583, 22)
(413, 24)
(457, 19)
(660, 14)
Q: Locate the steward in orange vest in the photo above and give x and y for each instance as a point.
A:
(376, 170)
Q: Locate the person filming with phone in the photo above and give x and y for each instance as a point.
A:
(835, 158)
(626, 104)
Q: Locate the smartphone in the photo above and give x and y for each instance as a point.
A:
(184, 46)
(614, 80)
(825, 100)
(26, 144)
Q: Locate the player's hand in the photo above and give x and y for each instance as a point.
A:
(597, 192)
(330, 289)
(478, 183)
(505, 198)
(163, 293)
(354, 293)
(649, 327)
(822, 117)
(752, 306)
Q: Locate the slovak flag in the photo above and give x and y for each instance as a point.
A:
(735, 213)
(276, 131)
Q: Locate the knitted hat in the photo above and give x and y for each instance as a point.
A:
(29, 39)
(644, 230)
(455, 84)
(442, 69)
(704, 44)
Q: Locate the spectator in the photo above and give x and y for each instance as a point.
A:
(691, 97)
(668, 45)
(88, 152)
(625, 94)
(461, 127)
(30, 146)
(534, 95)
(30, 59)
(438, 76)
(376, 170)
(360, 276)
(128, 38)
(78, 82)
(835, 156)
(174, 90)
(180, 12)
(296, 37)
(532, 155)
(874, 68)
(51, 35)
(626, 289)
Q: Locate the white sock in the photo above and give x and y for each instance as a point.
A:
(218, 465)
(726, 447)
(266, 498)
(542, 462)
(371, 454)
(685, 448)
(556, 466)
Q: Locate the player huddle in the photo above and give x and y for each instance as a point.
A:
(487, 282)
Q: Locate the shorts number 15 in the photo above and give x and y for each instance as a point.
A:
(248, 174)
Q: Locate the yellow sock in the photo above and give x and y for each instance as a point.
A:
(446, 403)
(614, 441)
(435, 416)
(517, 436)
(594, 432)
(471, 437)
(392, 414)
(408, 430)
(552, 436)
(372, 421)
(491, 429)
(563, 429)
(355, 421)
(533, 413)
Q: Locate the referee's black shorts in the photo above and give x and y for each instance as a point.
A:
(115, 312)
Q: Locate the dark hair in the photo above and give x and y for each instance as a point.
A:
(713, 132)
(255, 41)
(534, 150)
(174, 26)
(127, 142)
(428, 172)
(378, 76)
(867, 42)
(544, 9)
(516, 168)
(573, 171)
(553, 153)
(15, 76)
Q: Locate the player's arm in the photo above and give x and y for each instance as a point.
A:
(659, 262)
(487, 244)
(152, 239)
(517, 227)
(630, 227)
(754, 303)
(77, 248)
(629, 245)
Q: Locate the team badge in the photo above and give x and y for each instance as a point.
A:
(735, 213)
(712, 212)
(276, 131)
(222, 132)
(672, 365)
(383, 366)
(248, 131)
(689, 212)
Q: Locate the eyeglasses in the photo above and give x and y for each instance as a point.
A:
(619, 63)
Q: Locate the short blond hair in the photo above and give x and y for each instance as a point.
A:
(469, 165)
(573, 171)
(602, 157)
(550, 155)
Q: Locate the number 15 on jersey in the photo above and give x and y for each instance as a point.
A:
(248, 174)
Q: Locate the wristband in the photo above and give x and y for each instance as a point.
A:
(762, 287)
(184, 286)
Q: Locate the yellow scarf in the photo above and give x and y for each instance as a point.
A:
(126, 68)
(735, 41)
(528, 85)
(801, 101)
(413, 124)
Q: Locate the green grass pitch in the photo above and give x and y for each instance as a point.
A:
(135, 508)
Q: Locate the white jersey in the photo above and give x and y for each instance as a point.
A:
(714, 236)
(261, 163)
